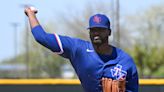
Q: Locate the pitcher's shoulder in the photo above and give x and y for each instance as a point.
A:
(124, 55)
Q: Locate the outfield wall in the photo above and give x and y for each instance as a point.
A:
(64, 85)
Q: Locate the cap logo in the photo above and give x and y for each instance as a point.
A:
(97, 19)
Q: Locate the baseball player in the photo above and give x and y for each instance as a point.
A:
(100, 66)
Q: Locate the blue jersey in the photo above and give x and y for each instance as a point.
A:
(89, 67)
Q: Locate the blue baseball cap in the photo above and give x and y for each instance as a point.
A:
(99, 20)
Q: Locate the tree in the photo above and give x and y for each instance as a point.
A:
(148, 48)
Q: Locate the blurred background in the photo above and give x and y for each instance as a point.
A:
(137, 27)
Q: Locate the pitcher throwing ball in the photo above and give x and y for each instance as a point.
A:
(100, 66)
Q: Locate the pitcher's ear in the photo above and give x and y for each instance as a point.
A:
(109, 31)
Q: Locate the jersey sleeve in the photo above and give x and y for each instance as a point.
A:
(62, 45)
(133, 84)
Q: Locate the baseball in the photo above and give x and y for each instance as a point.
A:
(34, 9)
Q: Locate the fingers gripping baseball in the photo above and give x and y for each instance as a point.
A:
(30, 10)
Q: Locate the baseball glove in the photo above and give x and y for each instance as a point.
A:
(110, 85)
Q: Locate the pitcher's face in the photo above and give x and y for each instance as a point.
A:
(99, 35)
